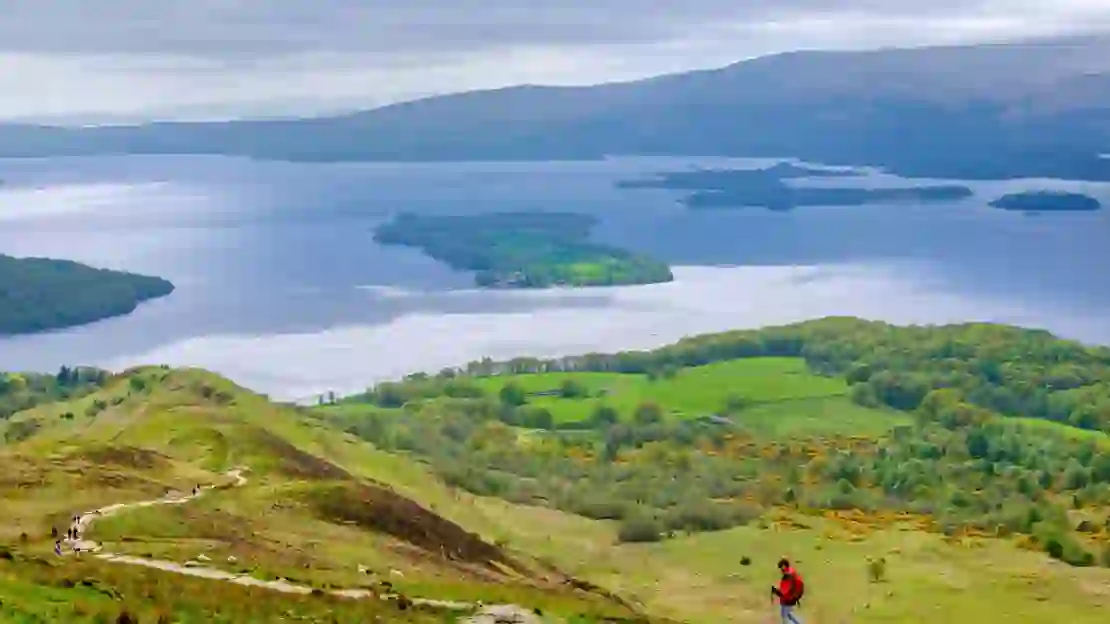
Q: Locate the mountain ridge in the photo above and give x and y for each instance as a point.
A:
(1029, 109)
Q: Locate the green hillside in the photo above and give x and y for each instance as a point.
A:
(914, 474)
(318, 506)
(834, 440)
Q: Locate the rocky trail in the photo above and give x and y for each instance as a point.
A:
(479, 614)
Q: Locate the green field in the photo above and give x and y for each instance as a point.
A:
(780, 396)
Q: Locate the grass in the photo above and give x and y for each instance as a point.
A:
(782, 397)
(37, 590)
(700, 579)
(1065, 431)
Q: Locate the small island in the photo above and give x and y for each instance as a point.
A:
(41, 294)
(769, 188)
(523, 250)
(1047, 201)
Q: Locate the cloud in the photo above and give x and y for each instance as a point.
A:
(136, 58)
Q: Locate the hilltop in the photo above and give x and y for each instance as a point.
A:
(1027, 109)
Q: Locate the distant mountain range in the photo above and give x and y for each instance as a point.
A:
(1039, 108)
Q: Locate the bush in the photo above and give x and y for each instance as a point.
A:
(876, 570)
(512, 394)
(640, 528)
(735, 403)
(597, 506)
(648, 414)
(573, 389)
(604, 416)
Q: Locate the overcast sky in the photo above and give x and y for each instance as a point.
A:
(81, 60)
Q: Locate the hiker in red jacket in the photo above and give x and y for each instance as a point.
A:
(789, 592)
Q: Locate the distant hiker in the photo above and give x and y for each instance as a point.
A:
(58, 548)
(54, 532)
(789, 592)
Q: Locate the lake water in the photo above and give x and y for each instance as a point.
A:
(281, 287)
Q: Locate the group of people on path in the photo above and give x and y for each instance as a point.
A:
(73, 536)
(73, 533)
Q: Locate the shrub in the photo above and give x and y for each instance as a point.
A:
(639, 528)
(512, 394)
(735, 403)
(604, 416)
(648, 414)
(573, 389)
(876, 569)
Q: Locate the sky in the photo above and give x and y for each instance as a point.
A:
(77, 61)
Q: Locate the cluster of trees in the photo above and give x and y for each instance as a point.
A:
(523, 250)
(1005, 370)
(715, 188)
(38, 294)
(657, 477)
(21, 391)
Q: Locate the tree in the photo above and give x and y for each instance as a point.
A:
(648, 414)
(978, 445)
(512, 394)
(604, 416)
(735, 403)
(640, 527)
(573, 389)
(539, 418)
(1100, 467)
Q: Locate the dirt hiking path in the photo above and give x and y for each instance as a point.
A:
(496, 614)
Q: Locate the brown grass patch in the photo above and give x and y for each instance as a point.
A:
(124, 457)
(380, 510)
(295, 463)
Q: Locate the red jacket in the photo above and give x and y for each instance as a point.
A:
(790, 588)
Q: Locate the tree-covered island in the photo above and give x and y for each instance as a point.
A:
(523, 250)
(1047, 201)
(769, 188)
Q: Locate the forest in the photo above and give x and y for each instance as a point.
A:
(965, 443)
(21, 391)
(40, 294)
(523, 250)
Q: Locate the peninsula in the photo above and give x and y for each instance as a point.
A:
(41, 294)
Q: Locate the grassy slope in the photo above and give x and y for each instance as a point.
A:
(783, 396)
(200, 425)
(694, 579)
